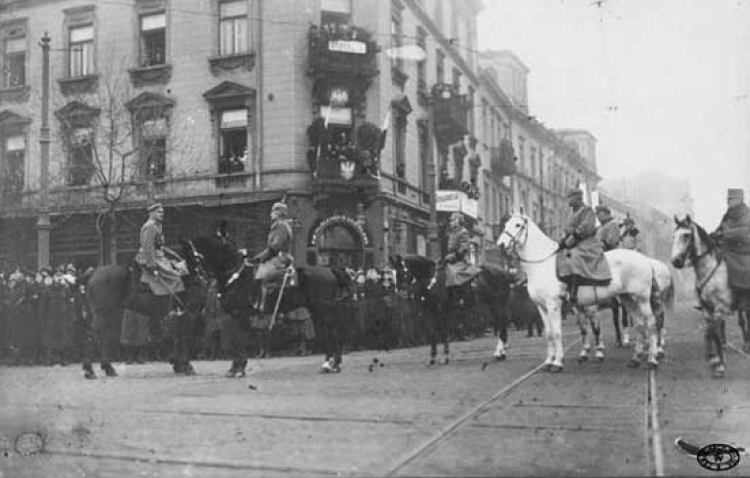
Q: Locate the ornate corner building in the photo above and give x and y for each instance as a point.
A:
(219, 108)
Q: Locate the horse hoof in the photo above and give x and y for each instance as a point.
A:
(89, 375)
(583, 358)
(714, 361)
(444, 361)
(547, 367)
(555, 368)
(500, 357)
(651, 365)
(431, 362)
(660, 355)
(336, 369)
(189, 370)
(634, 363)
(110, 372)
(599, 359)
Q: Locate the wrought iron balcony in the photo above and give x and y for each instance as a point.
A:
(449, 111)
(502, 159)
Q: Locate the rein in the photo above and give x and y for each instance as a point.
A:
(515, 240)
(694, 258)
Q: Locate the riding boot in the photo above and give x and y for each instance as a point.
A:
(109, 370)
(88, 372)
(263, 295)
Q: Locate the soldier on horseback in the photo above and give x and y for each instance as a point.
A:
(608, 232)
(733, 234)
(275, 258)
(582, 255)
(458, 269)
(630, 237)
(158, 271)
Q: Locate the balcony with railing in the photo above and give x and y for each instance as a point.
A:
(341, 50)
(502, 159)
(450, 113)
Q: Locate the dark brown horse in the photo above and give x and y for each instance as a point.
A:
(108, 287)
(313, 288)
(441, 306)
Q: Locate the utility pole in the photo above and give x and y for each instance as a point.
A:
(43, 221)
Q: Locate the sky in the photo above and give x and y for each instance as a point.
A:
(663, 84)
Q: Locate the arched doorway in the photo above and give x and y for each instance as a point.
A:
(340, 242)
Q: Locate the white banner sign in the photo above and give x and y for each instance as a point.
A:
(347, 46)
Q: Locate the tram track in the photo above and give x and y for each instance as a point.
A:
(652, 431)
(448, 430)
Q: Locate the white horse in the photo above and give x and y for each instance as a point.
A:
(693, 247)
(590, 325)
(632, 280)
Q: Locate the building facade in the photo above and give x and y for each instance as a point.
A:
(218, 108)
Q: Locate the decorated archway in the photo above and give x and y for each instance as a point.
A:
(339, 241)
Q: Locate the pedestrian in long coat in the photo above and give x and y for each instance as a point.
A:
(582, 257)
(733, 234)
(54, 311)
(16, 315)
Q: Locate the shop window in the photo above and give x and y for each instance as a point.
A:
(233, 144)
(14, 62)
(81, 55)
(233, 27)
(153, 42)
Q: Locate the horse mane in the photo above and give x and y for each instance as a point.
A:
(702, 234)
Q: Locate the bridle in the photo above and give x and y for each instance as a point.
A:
(694, 257)
(516, 239)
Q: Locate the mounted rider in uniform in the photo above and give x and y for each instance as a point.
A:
(630, 237)
(608, 232)
(162, 274)
(458, 269)
(581, 258)
(733, 235)
(275, 259)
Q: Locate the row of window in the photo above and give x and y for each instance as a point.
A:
(233, 28)
(152, 138)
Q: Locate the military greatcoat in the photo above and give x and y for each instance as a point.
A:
(735, 233)
(151, 256)
(586, 257)
(458, 270)
(275, 258)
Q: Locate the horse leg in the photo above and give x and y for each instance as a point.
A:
(550, 313)
(744, 321)
(628, 326)
(714, 328)
(615, 308)
(583, 327)
(89, 351)
(597, 330)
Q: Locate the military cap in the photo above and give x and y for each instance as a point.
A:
(575, 192)
(154, 206)
(70, 268)
(603, 208)
(279, 207)
(736, 193)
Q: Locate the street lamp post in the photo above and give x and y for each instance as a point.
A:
(43, 221)
(433, 250)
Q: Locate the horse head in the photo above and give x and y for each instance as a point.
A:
(218, 256)
(691, 242)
